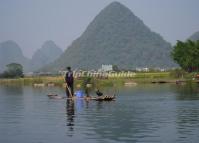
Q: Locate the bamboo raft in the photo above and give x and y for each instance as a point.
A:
(104, 98)
(97, 98)
(55, 96)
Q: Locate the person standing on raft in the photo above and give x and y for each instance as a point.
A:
(69, 82)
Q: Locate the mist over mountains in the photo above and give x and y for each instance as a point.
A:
(45, 55)
(116, 36)
(10, 52)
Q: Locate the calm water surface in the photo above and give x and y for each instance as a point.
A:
(144, 113)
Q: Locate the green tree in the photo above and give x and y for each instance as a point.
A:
(13, 70)
(115, 68)
(186, 54)
(177, 73)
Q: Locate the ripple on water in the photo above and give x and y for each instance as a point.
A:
(140, 114)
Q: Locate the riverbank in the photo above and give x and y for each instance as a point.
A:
(138, 78)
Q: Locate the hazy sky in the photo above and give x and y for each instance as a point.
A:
(31, 22)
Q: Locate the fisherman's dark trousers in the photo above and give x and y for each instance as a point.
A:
(70, 86)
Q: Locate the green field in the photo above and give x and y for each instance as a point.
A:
(147, 77)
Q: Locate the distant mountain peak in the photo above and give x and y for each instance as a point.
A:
(49, 42)
(50, 45)
(45, 55)
(116, 4)
(194, 36)
(10, 52)
(11, 46)
(116, 7)
(9, 43)
(116, 36)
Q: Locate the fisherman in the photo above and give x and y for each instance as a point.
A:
(69, 82)
(99, 93)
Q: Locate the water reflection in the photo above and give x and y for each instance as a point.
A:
(11, 90)
(145, 113)
(70, 115)
(187, 115)
(11, 98)
(189, 91)
(11, 111)
(99, 105)
(187, 121)
(120, 123)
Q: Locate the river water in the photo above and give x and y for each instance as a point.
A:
(166, 113)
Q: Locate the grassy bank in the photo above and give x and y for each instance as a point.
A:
(58, 80)
(137, 78)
